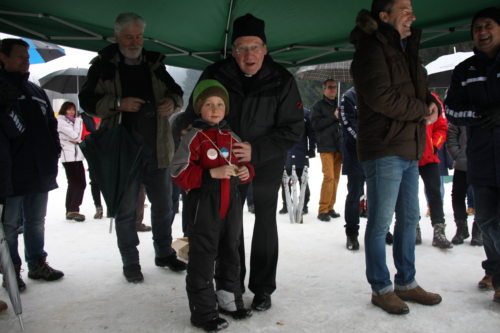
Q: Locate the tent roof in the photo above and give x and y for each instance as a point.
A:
(192, 33)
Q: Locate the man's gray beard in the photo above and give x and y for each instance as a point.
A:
(131, 55)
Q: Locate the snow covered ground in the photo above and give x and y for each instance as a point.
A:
(321, 286)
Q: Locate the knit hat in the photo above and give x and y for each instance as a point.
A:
(490, 12)
(207, 88)
(248, 25)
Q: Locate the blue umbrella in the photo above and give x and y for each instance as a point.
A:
(41, 52)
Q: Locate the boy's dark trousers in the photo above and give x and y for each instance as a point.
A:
(212, 240)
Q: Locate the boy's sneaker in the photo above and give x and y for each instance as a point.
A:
(133, 273)
(419, 295)
(390, 303)
(171, 262)
(213, 325)
(44, 272)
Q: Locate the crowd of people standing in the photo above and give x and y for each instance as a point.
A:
(243, 117)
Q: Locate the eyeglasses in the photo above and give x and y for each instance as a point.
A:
(253, 49)
(331, 87)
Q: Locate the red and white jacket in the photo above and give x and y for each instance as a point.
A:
(203, 148)
(435, 137)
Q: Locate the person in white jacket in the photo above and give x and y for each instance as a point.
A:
(69, 126)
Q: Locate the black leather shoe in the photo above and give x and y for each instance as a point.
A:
(352, 243)
(171, 262)
(333, 214)
(324, 217)
(133, 273)
(283, 210)
(305, 210)
(388, 238)
(261, 302)
(238, 314)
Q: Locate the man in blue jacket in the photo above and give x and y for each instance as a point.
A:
(34, 153)
(473, 100)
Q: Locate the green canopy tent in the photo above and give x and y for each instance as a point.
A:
(195, 33)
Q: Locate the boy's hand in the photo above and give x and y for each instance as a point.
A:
(243, 173)
(223, 172)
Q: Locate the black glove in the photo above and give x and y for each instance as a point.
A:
(311, 153)
(490, 118)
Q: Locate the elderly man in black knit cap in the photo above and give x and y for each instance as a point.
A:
(473, 100)
(266, 112)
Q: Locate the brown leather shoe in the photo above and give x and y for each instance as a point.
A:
(142, 227)
(3, 306)
(391, 303)
(419, 295)
(75, 216)
(485, 283)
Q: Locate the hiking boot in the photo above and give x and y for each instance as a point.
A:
(75, 216)
(419, 295)
(133, 273)
(439, 240)
(333, 214)
(352, 243)
(171, 262)
(142, 227)
(324, 217)
(3, 306)
(477, 235)
(213, 325)
(44, 272)
(418, 235)
(261, 302)
(283, 210)
(390, 303)
(388, 238)
(462, 232)
(238, 314)
(21, 286)
(98, 213)
(486, 283)
(251, 209)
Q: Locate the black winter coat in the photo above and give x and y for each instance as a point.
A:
(269, 115)
(349, 117)
(326, 126)
(35, 152)
(475, 91)
(300, 153)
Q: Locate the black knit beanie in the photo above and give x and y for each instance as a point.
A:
(248, 25)
(490, 12)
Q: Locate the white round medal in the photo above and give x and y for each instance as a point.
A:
(212, 154)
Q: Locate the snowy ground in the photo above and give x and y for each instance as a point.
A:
(321, 285)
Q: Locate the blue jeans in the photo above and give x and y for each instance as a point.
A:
(158, 185)
(487, 206)
(392, 186)
(28, 211)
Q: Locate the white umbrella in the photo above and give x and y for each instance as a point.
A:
(439, 71)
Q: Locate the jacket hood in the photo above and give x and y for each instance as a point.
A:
(367, 25)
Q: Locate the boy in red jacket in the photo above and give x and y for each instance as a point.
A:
(205, 167)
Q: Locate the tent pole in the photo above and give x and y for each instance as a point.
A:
(226, 32)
